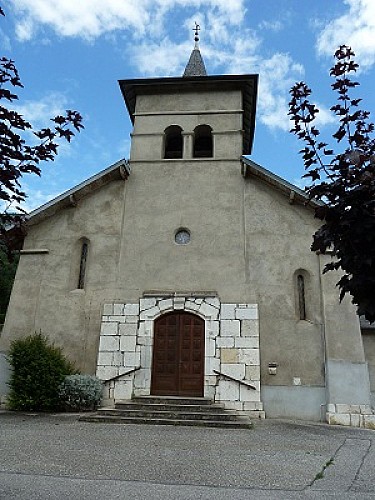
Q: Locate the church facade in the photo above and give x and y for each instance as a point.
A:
(187, 270)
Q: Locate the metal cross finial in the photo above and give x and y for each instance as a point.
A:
(196, 30)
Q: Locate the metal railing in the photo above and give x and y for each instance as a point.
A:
(241, 382)
(122, 375)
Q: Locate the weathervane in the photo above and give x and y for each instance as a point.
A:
(196, 32)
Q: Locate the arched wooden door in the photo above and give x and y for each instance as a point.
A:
(178, 355)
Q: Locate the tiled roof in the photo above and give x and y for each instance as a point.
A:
(195, 66)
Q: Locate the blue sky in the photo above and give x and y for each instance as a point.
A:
(70, 54)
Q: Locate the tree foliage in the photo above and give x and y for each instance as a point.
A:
(17, 157)
(344, 182)
(38, 369)
(7, 274)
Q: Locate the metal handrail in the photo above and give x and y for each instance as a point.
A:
(242, 382)
(122, 374)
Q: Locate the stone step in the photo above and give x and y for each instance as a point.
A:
(168, 413)
(170, 400)
(131, 405)
(233, 424)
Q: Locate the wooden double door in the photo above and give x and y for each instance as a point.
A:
(178, 355)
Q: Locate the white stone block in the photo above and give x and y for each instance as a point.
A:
(249, 312)
(128, 329)
(210, 392)
(191, 305)
(230, 328)
(165, 304)
(210, 347)
(355, 420)
(210, 380)
(253, 406)
(252, 372)
(209, 311)
(227, 311)
(149, 324)
(128, 343)
(144, 341)
(147, 303)
(131, 309)
(369, 421)
(331, 408)
(123, 389)
(118, 309)
(132, 359)
(109, 329)
(179, 303)
(232, 405)
(131, 319)
(118, 319)
(224, 341)
(212, 328)
(105, 358)
(212, 364)
(338, 418)
(235, 371)
(109, 343)
(140, 379)
(365, 409)
(213, 301)
(249, 394)
(342, 408)
(108, 309)
(106, 372)
(141, 392)
(198, 301)
(117, 358)
(355, 409)
(149, 313)
(247, 342)
(248, 356)
(249, 328)
(227, 391)
(146, 356)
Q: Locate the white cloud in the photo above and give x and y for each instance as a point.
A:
(355, 28)
(91, 18)
(39, 112)
(227, 46)
(274, 26)
(36, 198)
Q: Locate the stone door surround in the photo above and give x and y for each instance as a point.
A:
(231, 347)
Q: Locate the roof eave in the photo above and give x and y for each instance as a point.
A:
(117, 171)
(248, 84)
(295, 194)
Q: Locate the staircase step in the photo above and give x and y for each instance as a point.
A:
(130, 405)
(169, 413)
(169, 410)
(170, 400)
(233, 424)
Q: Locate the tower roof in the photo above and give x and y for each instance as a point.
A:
(195, 66)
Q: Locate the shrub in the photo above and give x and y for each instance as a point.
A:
(38, 370)
(80, 392)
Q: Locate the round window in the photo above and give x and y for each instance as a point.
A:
(182, 237)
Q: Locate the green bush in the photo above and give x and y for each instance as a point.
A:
(38, 370)
(81, 392)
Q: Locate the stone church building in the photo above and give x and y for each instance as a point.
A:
(187, 270)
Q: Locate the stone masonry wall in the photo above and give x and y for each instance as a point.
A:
(231, 347)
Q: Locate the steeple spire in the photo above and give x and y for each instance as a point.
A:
(195, 66)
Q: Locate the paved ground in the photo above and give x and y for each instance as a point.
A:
(57, 457)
